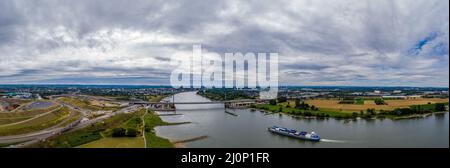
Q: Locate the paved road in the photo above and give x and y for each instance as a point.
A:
(34, 137)
(103, 117)
(41, 133)
(34, 117)
(45, 133)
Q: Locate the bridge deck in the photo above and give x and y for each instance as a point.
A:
(211, 102)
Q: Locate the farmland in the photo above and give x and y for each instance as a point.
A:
(323, 108)
(331, 104)
(124, 142)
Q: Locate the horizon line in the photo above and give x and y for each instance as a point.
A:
(280, 86)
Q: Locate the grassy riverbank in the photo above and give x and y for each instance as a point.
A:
(104, 134)
(151, 121)
(85, 135)
(318, 112)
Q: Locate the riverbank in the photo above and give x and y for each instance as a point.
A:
(249, 129)
(182, 143)
(414, 116)
(312, 112)
(323, 114)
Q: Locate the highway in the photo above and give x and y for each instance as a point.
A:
(34, 117)
(208, 102)
(31, 138)
(42, 134)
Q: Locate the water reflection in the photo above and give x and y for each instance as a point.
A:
(249, 129)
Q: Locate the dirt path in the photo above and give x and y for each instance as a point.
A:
(143, 129)
(35, 117)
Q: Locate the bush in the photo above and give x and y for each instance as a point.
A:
(131, 132)
(403, 111)
(347, 102)
(379, 102)
(302, 105)
(118, 132)
(354, 114)
(282, 99)
(371, 111)
(273, 102)
(439, 107)
(307, 113)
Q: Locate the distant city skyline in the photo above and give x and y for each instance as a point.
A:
(320, 42)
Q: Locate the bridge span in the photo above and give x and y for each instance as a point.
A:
(170, 106)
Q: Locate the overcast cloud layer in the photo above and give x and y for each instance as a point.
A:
(320, 42)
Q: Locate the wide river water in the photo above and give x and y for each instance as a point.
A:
(249, 129)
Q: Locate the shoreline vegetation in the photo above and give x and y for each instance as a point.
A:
(318, 113)
(377, 108)
(119, 131)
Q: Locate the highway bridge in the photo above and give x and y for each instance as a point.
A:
(170, 106)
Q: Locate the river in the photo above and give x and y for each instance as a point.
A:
(249, 129)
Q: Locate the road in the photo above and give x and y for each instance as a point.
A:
(34, 137)
(42, 133)
(143, 129)
(103, 117)
(34, 117)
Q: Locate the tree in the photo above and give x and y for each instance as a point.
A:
(118, 132)
(273, 102)
(131, 132)
(302, 105)
(371, 111)
(439, 107)
(297, 103)
(379, 102)
(282, 99)
(354, 114)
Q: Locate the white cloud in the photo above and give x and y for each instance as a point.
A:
(321, 42)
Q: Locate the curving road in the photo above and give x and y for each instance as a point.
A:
(35, 137)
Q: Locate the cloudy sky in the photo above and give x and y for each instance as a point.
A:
(320, 42)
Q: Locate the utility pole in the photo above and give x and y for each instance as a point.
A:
(225, 98)
(173, 100)
(173, 96)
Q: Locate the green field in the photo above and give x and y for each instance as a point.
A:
(294, 111)
(85, 135)
(288, 108)
(123, 142)
(85, 104)
(156, 98)
(359, 101)
(36, 124)
(10, 120)
(99, 134)
(153, 141)
(26, 113)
